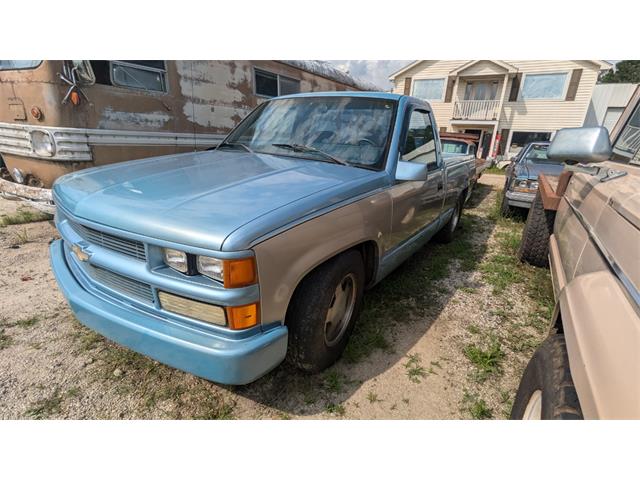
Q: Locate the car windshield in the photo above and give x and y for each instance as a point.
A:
(18, 64)
(627, 145)
(538, 154)
(451, 146)
(353, 130)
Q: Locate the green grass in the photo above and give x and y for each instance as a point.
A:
(487, 360)
(46, 407)
(24, 216)
(414, 368)
(373, 397)
(476, 406)
(495, 170)
(336, 409)
(334, 381)
(5, 340)
(28, 322)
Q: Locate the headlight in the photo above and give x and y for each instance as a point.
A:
(233, 273)
(176, 259)
(533, 185)
(211, 267)
(42, 143)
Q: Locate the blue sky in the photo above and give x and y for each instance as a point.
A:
(375, 71)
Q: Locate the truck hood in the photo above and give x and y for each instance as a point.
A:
(199, 199)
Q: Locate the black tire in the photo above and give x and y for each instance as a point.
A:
(505, 209)
(548, 372)
(308, 349)
(534, 247)
(445, 235)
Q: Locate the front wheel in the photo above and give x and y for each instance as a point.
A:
(323, 312)
(546, 391)
(534, 246)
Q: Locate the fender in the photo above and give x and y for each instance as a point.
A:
(602, 331)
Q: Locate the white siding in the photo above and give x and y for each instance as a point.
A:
(522, 115)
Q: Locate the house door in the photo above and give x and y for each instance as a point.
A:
(486, 144)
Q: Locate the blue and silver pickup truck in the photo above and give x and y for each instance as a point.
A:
(222, 263)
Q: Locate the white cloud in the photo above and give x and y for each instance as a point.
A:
(375, 71)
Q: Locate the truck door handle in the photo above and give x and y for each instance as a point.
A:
(439, 185)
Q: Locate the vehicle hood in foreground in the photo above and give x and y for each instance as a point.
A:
(199, 199)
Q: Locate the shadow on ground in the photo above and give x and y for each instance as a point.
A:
(412, 295)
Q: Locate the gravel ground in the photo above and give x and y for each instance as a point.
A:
(458, 355)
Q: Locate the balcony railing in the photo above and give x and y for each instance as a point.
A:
(476, 110)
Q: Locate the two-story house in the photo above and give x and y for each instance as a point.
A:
(504, 103)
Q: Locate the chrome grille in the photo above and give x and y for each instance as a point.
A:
(132, 248)
(121, 284)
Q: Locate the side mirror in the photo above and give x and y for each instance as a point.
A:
(411, 171)
(581, 145)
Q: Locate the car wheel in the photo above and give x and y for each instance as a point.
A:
(546, 390)
(323, 312)
(534, 247)
(505, 209)
(445, 235)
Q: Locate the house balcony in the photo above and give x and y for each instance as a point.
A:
(476, 110)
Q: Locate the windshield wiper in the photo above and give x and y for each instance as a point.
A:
(309, 149)
(234, 145)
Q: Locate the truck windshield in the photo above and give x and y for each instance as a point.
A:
(18, 64)
(353, 130)
(627, 145)
(538, 154)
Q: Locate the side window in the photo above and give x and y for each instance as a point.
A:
(136, 74)
(420, 145)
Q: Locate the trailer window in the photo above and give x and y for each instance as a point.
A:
(140, 74)
(18, 64)
(272, 85)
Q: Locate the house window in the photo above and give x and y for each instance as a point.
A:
(544, 86)
(272, 85)
(140, 74)
(430, 89)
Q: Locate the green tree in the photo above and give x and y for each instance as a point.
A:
(627, 71)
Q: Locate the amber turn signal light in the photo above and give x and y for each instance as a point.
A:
(240, 273)
(244, 316)
(75, 97)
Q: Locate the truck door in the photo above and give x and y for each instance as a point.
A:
(417, 204)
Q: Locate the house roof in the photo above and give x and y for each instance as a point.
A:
(602, 64)
(506, 66)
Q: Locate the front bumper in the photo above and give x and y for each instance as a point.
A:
(205, 354)
(520, 199)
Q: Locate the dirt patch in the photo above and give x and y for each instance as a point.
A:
(445, 336)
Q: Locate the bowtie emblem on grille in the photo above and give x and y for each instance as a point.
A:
(80, 253)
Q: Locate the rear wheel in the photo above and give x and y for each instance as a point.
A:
(445, 235)
(546, 391)
(323, 312)
(534, 247)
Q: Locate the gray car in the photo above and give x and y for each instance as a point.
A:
(521, 183)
